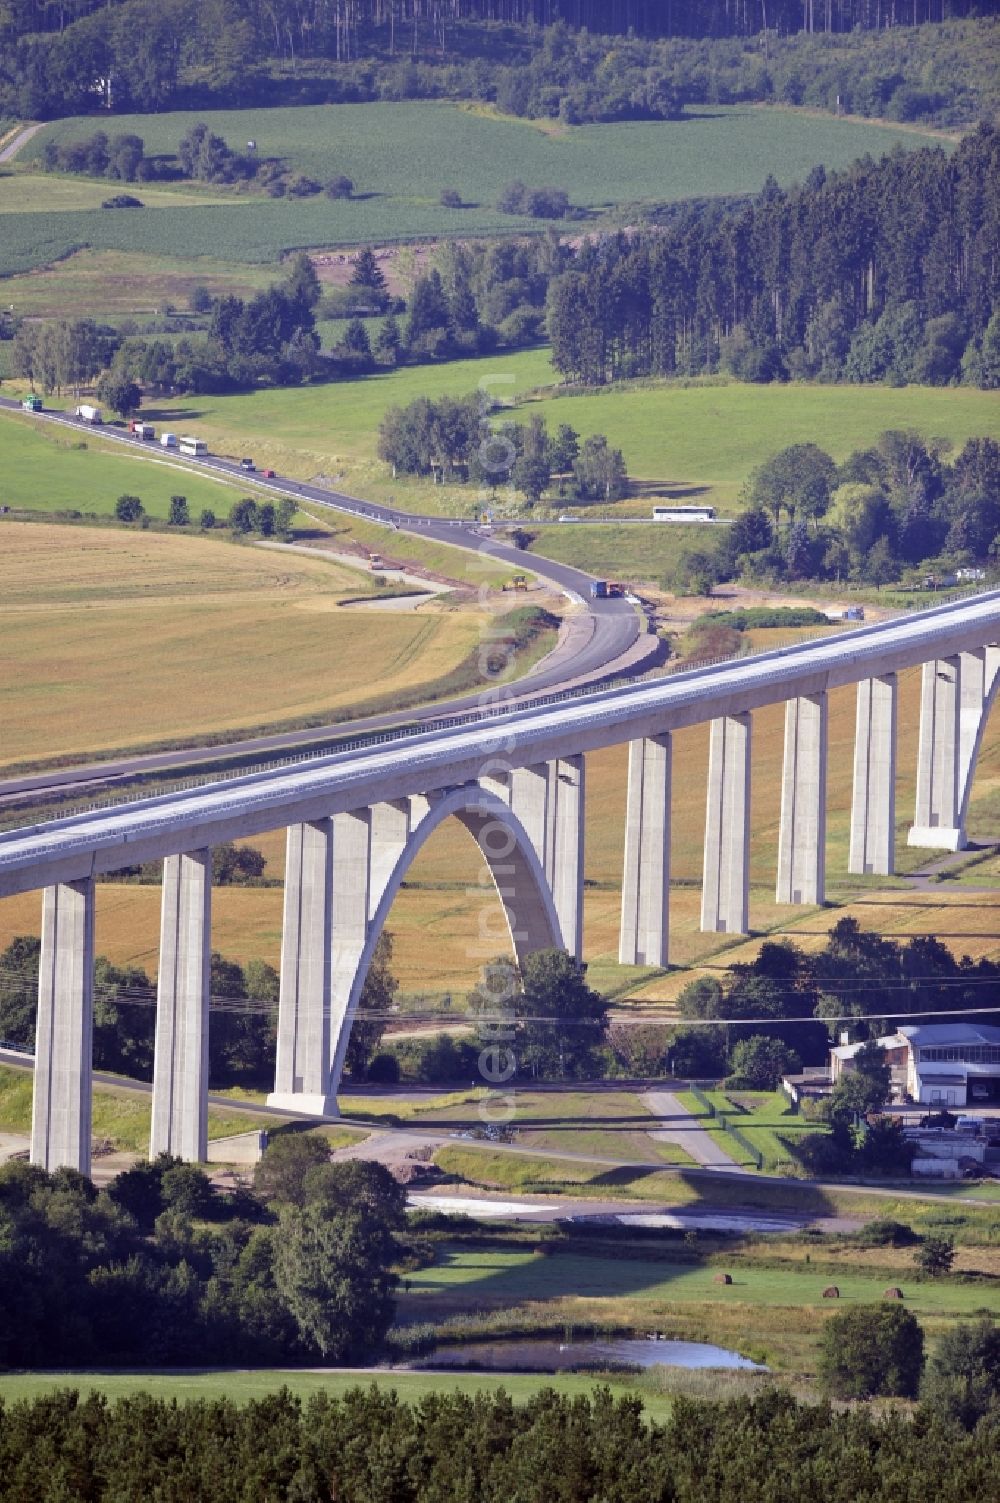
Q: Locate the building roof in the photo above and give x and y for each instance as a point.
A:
(888, 1041)
(928, 1034)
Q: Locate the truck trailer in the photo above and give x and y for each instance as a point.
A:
(88, 414)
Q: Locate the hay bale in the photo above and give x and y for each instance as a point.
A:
(893, 1292)
(723, 1278)
(831, 1292)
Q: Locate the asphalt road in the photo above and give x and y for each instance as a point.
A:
(611, 634)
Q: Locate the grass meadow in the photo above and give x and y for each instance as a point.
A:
(773, 1311)
(134, 637)
(121, 1117)
(241, 1386)
(400, 156)
(686, 441)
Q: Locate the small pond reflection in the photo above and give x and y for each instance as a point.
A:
(563, 1356)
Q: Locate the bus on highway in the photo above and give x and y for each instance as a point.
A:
(683, 513)
(193, 446)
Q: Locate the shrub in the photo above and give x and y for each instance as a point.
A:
(871, 1351)
(934, 1256)
(384, 1070)
(884, 1232)
(339, 187)
(301, 186)
(122, 201)
(451, 198)
(128, 508)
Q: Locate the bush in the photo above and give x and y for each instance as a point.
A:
(872, 1351)
(884, 1232)
(339, 187)
(128, 508)
(451, 198)
(301, 186)
(934, 1256)
(122, 201)
(384, 1070)
(283, 1167)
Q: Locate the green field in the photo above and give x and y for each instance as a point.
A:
(47, 469)
(88, 474)
(689, 441)
(400, 156)
(121, 1117)
(473, 1278)
(767, 1120)
(242, 1386)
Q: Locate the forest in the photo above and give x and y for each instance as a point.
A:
(159, 1269)
(371, 1447)
(884, 272)
(578, 61)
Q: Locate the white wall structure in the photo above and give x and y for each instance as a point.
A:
(516, 781)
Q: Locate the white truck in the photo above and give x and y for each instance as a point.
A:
(168, 440)
(88, 414)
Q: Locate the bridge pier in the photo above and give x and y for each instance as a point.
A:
(61, 1106)
(180, 1061)
(873, 809)
(302, 1066)
(954, 699)
(563, 863)
(644, 935)
(725, 896)
(802, 837)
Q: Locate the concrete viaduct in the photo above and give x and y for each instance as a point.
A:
(515, 780)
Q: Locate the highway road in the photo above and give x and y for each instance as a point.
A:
(608, 641)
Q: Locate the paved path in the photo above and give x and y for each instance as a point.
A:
(680, 1127)
(22, 138)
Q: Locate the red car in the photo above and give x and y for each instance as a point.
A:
(268, 474)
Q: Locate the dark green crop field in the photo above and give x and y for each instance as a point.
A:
(400, 156)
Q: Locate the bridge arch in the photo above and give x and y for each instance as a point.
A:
(518, 880)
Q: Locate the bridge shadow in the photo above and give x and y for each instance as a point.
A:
(641, 1274)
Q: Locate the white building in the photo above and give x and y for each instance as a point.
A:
(937, 1064)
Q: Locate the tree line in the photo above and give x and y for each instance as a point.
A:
(158, 1269)
(853, 976)
(242, 1033)
(883, 272)
(453, 439)
(569, 59)
(901, 510)
(461, 1448)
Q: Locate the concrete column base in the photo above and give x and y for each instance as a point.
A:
(936, 838)
(299, 1104)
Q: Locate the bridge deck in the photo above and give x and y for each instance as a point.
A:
(104, 840)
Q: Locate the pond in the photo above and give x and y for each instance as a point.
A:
(548, 1356)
